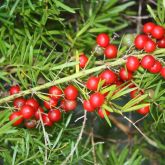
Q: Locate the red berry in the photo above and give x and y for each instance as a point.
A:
(71, 92)
(15, 115)
(161, 43)
(33, 103)
(27, 111)
(62, 104)
(30, 124)
(132, 63)
(54, 115)
(92, 83)
(147, 61)
(103, 40)
(51, 103)
(14, 89)
(19, 102)
(46, 120)
(158, 32)
(131, 85)
(83, 60)
(110, 51)
(39, 112)
(70, 105)
(96, 99)
(109, 77)
(162, 72)
(119, 87)
(55, 92)
(144, 110)
(88, 106)
(101, 113)
(149, 46)
(148, 27)
(156, 68)
(118, 83)
(140, 41)
(136, 93)
(125, 75)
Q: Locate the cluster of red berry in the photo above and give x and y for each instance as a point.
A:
(97, 99)
(108, 77)
(154, 36)
(29, 110)
(110, 50)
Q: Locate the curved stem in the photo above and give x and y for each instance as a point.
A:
(62, 80)
(78, 140)
(82, 73)
(49, 84)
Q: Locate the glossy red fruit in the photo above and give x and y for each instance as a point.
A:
(125, 75)
(162, 72)
(136, 93)
(131, 85)
(55, 92)
(92, 83)
(96, 100)
(33, 103)
(83, 60)
(71, 92)
(158, 32)
(118, 83)
(38, 113)
(156, 68)
(62, 104)
(132, 63)
(54, 115)
(109, 77)
(27, 111)
(19, 102)
(101, 113)
(140, 41)
(148, 27)
(30, 124)
(110, 51)
(161, 43)
(15, 115)
(88, 106)
(46, 120)
(70, 105)
(149, 46)
(147, 61)
(51, 103)
(14, 89)
(144, 110)
(102, 40)
(119, 87)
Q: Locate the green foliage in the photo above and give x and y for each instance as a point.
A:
(40, 42)
(120, 158)
(159, 14)
(37, 36)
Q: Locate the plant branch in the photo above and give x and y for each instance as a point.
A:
(150, 141)
(55, 82)
(62, 80)
(93, 148)
(120, 125)
(78, 140)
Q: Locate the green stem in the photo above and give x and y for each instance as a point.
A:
(49, 84)
(82, 73)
